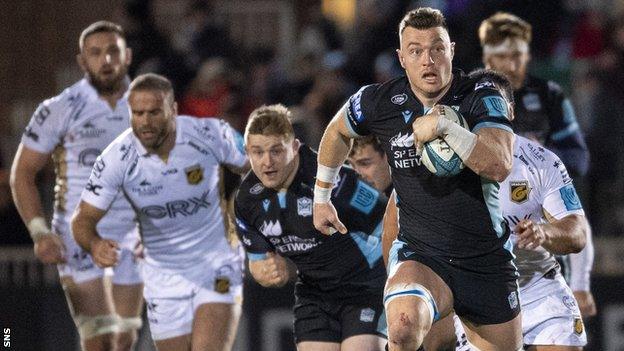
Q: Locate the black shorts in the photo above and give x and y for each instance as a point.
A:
(482, 293)
(317, 319)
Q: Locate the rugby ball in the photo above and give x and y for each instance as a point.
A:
(437, 155)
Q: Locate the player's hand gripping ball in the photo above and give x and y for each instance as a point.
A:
(437, 155)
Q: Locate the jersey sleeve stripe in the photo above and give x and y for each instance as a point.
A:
(257, 256)
(490, 124)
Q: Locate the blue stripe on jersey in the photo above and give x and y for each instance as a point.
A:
(364, 198)
(393, 255)
(488, 124)
(348, 124)
(490, 195)
(382, 324)
(378, 231)
(369, 245)
(257, 256)
(569, 197)
(496, 106)
(564, 133)
(281, 198)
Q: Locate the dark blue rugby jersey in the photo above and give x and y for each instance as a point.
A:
(339, 265)
(454, 217)
(543, 112)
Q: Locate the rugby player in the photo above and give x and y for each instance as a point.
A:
(369, 160)
(454, 251)
(168, 168)
(339, 278)
(74, 127)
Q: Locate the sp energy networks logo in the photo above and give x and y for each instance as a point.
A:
(403, 151)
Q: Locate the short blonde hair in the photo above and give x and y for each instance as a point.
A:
(503, 25)
(270, 120)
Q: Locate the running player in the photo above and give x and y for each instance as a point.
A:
(369, 160)
(168, 168)
(74, 127)
(542, 113)
(455, 251)
(340, 278)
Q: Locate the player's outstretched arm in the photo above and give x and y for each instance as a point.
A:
(27, 163)
(332, 153)
(84, 222)
(271, 272)
(390, 227)
(580, 276)
(559, 236)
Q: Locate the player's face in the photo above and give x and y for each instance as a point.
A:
(512, 63)
(427, 55)
(152, 117)
(272, 158)
(105, 60)
(372, 166)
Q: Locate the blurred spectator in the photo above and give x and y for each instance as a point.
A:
(209, 92)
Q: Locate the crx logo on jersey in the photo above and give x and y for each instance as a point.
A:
(171, 209)
(271, 228)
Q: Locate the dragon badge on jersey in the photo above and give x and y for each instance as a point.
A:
(194, 174)
(578, 325)
(222, 285)
(519, 191)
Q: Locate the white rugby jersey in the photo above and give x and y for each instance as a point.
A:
(539, 183)
(75, 126)
(177, 202)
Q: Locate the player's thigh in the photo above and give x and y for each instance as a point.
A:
(364, 342)
(441, 336)
(128, 299)
(318, 346)
(553, 348)
(178, 343)
(412, 287)
(495, 337)
(89, 298)
(214, 326)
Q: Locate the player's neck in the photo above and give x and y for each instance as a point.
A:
(292, 174)
(111, 96)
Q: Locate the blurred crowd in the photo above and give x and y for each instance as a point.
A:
(579, 44)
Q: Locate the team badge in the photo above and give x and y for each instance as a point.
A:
(304, 206)
(222, 285)
(519, 191)
(256, 189)
(367, 315)
(194, 174)
(578, 325)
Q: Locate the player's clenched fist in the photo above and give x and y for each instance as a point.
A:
(530, 234)
(104, 252)
(49, 249)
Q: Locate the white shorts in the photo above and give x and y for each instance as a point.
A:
(550, 314)
(81, 268)
(173, 298)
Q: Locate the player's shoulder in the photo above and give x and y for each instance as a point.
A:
(68, 98)
(536, 153)
(123, 147)
(205, 130)
(250, 190)
(478, 81)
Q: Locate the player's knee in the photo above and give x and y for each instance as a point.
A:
(407, 331)
(125, 341)
(127, 335)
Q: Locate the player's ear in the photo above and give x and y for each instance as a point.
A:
(81, 61)
(452, 49)
(511, 105)
(400, 56)
(128, 56)
(296, 144)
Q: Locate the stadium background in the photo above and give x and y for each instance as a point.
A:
(226, 57)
